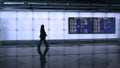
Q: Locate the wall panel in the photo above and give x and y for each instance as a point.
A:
(25, 25)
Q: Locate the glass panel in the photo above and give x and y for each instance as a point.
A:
(85, 36)
(85, 14)
(24, 27)
(36, 34)
(3, 34)
(23, 24)
(99, 14)
(24, 35)
(8, 25)
(56, 29)
(36, 27)
(40, 15)
(56, 15)
(24, 15)
(8, 14)
(11, 35)
(67, 35)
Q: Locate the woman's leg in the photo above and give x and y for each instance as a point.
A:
(46, 44)
(39, 43)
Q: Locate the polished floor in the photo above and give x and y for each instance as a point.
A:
(61, 56)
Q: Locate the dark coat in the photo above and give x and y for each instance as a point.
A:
(43, 34)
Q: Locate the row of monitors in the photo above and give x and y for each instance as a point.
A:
(84, 25)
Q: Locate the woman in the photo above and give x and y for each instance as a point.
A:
(42, 37)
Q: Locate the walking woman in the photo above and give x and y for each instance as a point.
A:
(42, 37)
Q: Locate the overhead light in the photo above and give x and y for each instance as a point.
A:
(13, 3)
(80, 4)
(100, 4)
(58, 3)
(38, 3)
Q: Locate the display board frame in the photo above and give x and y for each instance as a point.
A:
(105, 25)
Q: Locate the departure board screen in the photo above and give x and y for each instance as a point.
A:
(79, 25)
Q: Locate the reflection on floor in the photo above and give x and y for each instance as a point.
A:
(62, 56)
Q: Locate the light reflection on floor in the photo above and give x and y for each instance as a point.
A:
(62, 56)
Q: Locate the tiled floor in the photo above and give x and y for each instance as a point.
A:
(61, 56)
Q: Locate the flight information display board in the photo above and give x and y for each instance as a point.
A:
(78, 25)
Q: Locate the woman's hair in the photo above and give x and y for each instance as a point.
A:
(42, 32)
(42, 29)
(42, 26)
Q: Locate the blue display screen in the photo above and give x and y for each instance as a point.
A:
(79, 25)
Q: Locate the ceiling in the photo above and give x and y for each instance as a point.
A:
(77, 1)
(85, 5)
